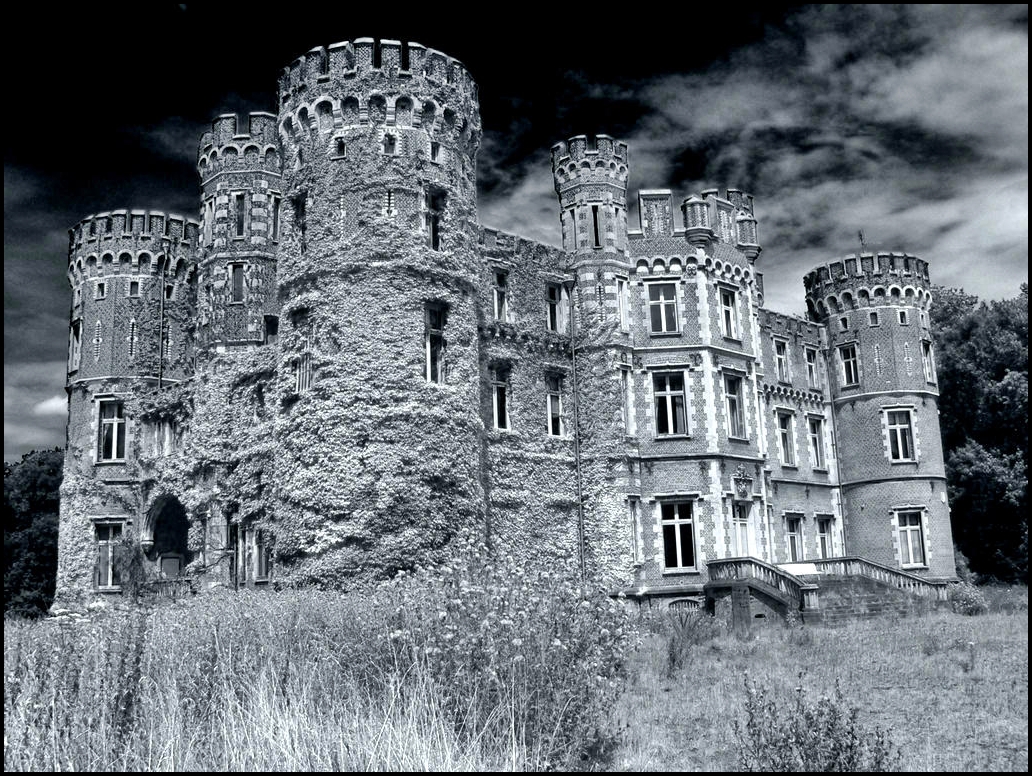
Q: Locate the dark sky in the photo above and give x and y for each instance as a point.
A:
(910, 123)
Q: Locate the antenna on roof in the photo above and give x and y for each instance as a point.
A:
(863, 243)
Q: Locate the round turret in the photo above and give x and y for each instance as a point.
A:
(590, 175)
(378, 271)
(241, 198)
(884, 392)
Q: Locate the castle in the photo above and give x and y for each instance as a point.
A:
(337, 370)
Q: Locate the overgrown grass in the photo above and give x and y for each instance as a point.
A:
(478, 667)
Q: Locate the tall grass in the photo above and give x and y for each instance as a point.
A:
(472, 666)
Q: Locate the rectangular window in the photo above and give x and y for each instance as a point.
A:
(874, 318)
(241, 215)
(597, 233)
(236, 282)
(302, 368)
(670, 404)
(76, 346)
(786, 438)
(501, 296)
(271, 330)
(824, 545)
(816, 429)
(632, 513)
(928, 361)
(262, 554)
(627, 405)
(300, 204)
(554, 404)
(813, 379)
(850, 365)
(500, 396)
(209, 220)
(436, 317)
(134, 288)
(911, 539)
(435, 152)
(663, 307)
(106, 572)
(904, 319)
(111, 440)
(901, 435)
(733, 406)
(623, 303)
(781, 360)
(794, 536)
(435, 203)
(740, 530)
(554, 307)
(234, 542)
(275, 216)
(678, 535)
(101, 290)
(729, 312)
(843, 323)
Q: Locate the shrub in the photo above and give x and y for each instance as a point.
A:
(685, 629)
(965, 598)
(802, 736)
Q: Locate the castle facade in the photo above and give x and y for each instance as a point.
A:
(337, 370)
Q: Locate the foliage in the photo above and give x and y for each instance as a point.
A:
(31, 505)
(486, 666)
(965, 598)
(982, 353)
(686, 629)
(823, 736)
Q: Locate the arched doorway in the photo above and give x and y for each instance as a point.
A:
(164, 537)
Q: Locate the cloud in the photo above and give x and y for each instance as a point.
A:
(26, 386)
(55, 405)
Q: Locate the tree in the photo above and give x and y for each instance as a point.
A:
(31, 501)
(983, 382)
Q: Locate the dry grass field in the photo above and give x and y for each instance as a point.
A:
(461, 671)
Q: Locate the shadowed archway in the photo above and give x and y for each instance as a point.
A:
(164, 536)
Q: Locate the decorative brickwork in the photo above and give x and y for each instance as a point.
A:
(338, 369)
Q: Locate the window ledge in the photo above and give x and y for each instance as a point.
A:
(679, 572)
(660, 437)
(737, 439)
(737, 340)
(821, 469)
(109, 461)
(913, 566)
(664, 334)
(110, 589)
(789, 466)
(903, 461)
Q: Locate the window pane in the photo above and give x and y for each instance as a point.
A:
(670, 546)
(671, 322)
(679, 424)
(687, 545)
(662, 415)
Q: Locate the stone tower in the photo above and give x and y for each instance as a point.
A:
(379, 446)
(131, 330)
(885, 404)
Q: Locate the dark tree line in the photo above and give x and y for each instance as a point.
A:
(982, 352)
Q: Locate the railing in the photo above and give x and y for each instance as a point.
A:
(172, 588)
(791, 587)
(861, 567)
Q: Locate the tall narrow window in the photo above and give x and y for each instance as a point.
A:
(238, 201)
(435, 203)
(106, 572)
(729, 312)
(209, 220)
(733, 406)
(435, 151)
(904, 319)
(678, 535)
(301, 219)
(594, 222)
(623, 303)
(134, 288)
(740, 530)
(816, 429)
(101, 290)
(873, 318)
(236, 281)
(271, 329)
(436, 318)
(501, 296)
(627, 391)
(794, 536)
(670, 404)
(663, 307)
(813, 379)
(786, 437)
(554, 318)
(928, 361)
(850, 365)
(302, 368)
(554, 404)
(389, 208)
(390, 144)
(781, 360)
(76, 346)
(824, 543)
(111, 439)
(98, 340)
(262, 554)
(500, 396)
(911, 539)
(131, 339)
(341, 148)
(901, 435)
(632, 514)
(276, 200)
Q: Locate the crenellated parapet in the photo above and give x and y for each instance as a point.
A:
(122, 242)
(867, 280)
(709, 217)
(590, 176)
(229, 147)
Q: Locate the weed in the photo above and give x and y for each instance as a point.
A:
(965, 598)
(684, 630)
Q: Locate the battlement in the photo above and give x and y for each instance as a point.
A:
(394, 60)
(135, 227)
(708, 216)
(228, 147)
(867, 279)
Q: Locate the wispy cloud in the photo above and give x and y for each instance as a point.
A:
(31, 419)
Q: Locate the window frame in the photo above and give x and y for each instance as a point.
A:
(928, 362)
(786, 437)
(106, 555)
(825, 538)
(739, 414)
(555, 318)
(818, 455)
(239, 215)
(854, 361)
(500, 294)
(435, 344)
(627, 405)
(730, 326)
(678, 522)
(813, 374)
(623, 303)
(781, 360)
(741, 512)
(663, 305)
(667, 396)
(500, 387)
(900, 435)
(237, 282)
(554, 405)
(794, 540)
(119, 425)
(907, 561)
